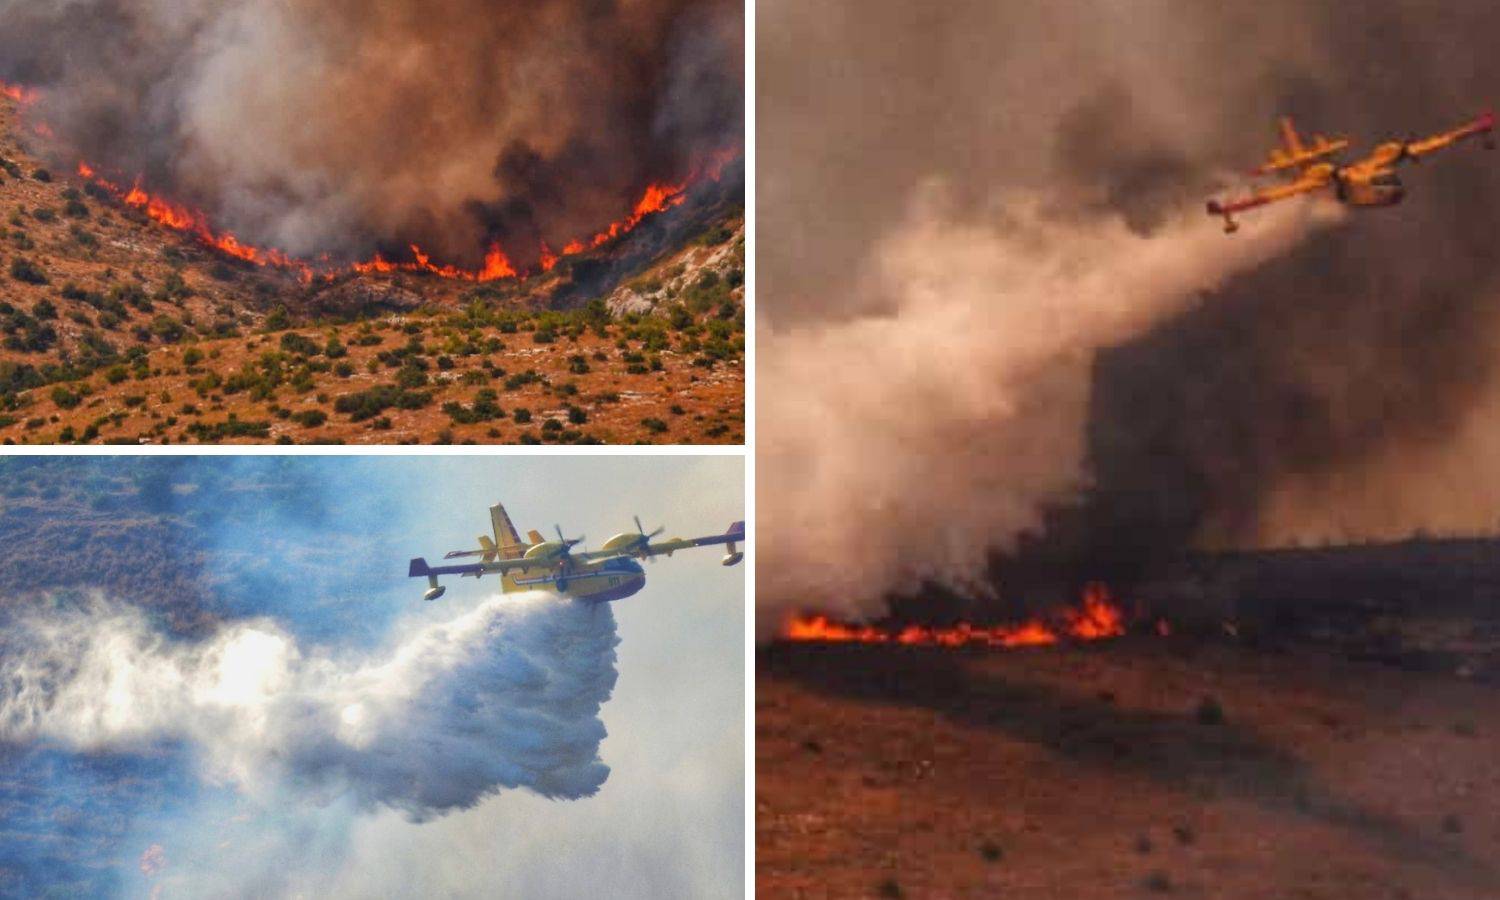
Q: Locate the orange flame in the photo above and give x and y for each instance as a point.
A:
(657, 198)
(1097, 618)
(497, 265)
(16, 93)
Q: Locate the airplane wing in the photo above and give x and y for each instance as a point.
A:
(420, 569)
(1312, 180)
(1484, 125)
(735, 534)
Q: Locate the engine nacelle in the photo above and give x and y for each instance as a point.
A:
(623, 541)
(545, 550)
(434, 593)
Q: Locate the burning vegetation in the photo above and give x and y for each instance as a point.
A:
(126, 316)
(1097, 617)
(656, 199)
(481, 141)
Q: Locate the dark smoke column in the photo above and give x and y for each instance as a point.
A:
(452, 125)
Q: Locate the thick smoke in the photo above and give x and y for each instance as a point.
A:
(964, 407)
(344, 127)
(504, 696)
(1340, 385)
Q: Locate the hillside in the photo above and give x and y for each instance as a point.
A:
(117, 329)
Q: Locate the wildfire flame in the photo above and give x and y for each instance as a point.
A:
(656, 198)
(497, 265)
(17, 94)
(1097, 617)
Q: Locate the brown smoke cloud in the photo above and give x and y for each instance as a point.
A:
(1344, 364)
(335, 126)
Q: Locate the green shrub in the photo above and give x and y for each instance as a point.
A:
(293, 342)
(66, 399)
(233, 428)
(368, 404)
(24, 270)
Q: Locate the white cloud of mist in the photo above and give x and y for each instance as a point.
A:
(504, 695)
(904, 445)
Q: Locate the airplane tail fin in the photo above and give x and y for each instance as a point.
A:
(507, 540)
(1290, 139)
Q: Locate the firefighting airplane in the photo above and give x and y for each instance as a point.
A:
(1371, 181)
(609, 573)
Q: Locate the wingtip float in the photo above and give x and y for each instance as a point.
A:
(1372, 181)
(537, 563)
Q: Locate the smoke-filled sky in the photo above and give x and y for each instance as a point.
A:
(343, 127)
(1064, 327)
(301, 724)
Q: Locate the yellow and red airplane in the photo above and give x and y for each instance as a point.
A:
(1371, 181)
(537, 564)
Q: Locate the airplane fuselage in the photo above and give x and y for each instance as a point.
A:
(1379, 189)
(601, 582)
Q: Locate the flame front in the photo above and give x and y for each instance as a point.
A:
(1097, 617)
(656, 198)
(497, 264)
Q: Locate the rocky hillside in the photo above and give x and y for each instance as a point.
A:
(115, 329)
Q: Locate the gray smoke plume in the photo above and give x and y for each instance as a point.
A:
(1341, 383)
(344, 127)
(504, 696)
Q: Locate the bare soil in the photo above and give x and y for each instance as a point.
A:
(1143, 767)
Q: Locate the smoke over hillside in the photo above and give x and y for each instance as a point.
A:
(1336, 385)
(346, 128)
(504, 696)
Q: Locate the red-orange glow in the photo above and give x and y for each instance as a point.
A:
(1098, 617)
(16, 93)
(497, 265)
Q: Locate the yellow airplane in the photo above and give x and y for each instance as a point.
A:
(1371, 181)
(609, 573)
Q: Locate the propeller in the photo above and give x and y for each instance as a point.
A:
(568, 543)
(645, 538)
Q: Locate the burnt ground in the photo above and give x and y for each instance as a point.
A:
(1142, 767)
